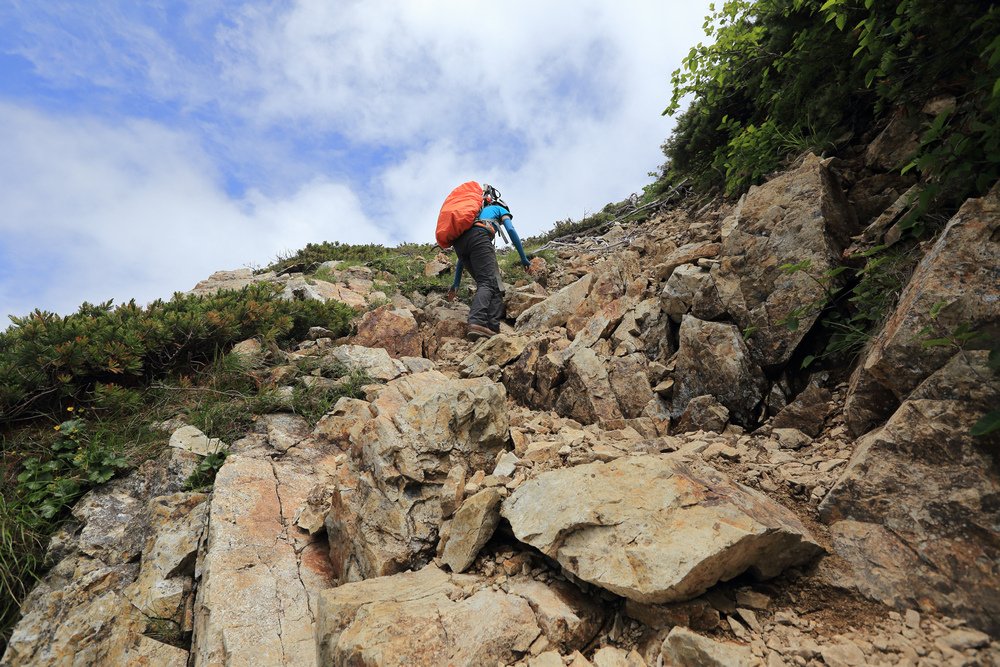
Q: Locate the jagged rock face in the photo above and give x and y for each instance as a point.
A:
(613, 279)
(957, 284)
(713, 360)
(557, 309)
(258, 569)
(387, 507)
(80, 613)
(433, 618)
(800, 215)
(586, 395)
(393, 329)
(608, 524)
(919, 499)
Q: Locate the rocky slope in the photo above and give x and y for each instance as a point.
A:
(634, 472)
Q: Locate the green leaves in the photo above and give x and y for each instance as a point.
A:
(987, 424)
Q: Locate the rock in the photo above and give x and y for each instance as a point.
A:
(611, 278)
(354, 295)
(686, 254)
(612, 656)
(471, 528)
(753, 599)
(586, 395)
(258, 570)
(607, 524)
(843, 654)
(506, 465)
(697, 614)
(684, 647)
(957, 280)
(437, 266)
(703, 413)
(344, 421)
(682, 289)
(393, 329)
(190, 439)
(800, 216)
(166, 576)
(911, 512)
(791, 438)
(518, 300)
(417, 364)
(963, 639)
(227, 280)
(629, 380)
(567, 617)
(422, 618)
(250, 352)
(388, 506)
(285, 431)
(547, 659)
(533, 378)
(713, 360)
(453, 490)
(501, 349)
(374, 361)
(555, 310)
(807, 412)
(77, 613)
(896, 144)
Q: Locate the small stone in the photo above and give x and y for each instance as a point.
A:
(791, 438)
(845, 654)
(752, 599)
(547, 659)
(505, 465)
(750, 619)
(912, 619)
(720, 449)
(738, 628)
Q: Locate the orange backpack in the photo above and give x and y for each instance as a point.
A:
(458, 212)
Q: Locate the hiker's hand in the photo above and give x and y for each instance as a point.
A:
(452, 294)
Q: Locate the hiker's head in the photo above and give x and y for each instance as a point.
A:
(490, 195)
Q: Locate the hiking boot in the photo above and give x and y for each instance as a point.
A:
(477, 331)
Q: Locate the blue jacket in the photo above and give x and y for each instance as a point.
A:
(495, 215)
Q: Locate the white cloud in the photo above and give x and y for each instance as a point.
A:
(139, 211)
(556, 103)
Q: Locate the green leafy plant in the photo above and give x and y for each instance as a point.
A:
(78, 462)
(204, 473)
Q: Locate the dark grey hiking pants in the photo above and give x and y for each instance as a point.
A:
(475, 249)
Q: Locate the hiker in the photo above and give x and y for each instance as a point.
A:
(476, 253)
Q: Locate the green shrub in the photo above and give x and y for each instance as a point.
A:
(47, 360)
(78, 461)
(783, 70)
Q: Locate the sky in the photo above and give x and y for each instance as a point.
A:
(148, 145)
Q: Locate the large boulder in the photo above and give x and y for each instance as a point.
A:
(800, 216)
(613, 278)
(713, 360)
(587, 395)
(375, 361)
(654, 528)
(557, 309)
(259, 569)
(430, 617)
(915, 513)
(955, 287)
(393, 329)
(386, 508)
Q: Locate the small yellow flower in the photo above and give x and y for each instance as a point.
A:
(70, 409)
(57, 427)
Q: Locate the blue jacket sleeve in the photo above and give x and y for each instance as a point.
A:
(515, 239)
(458, 275)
